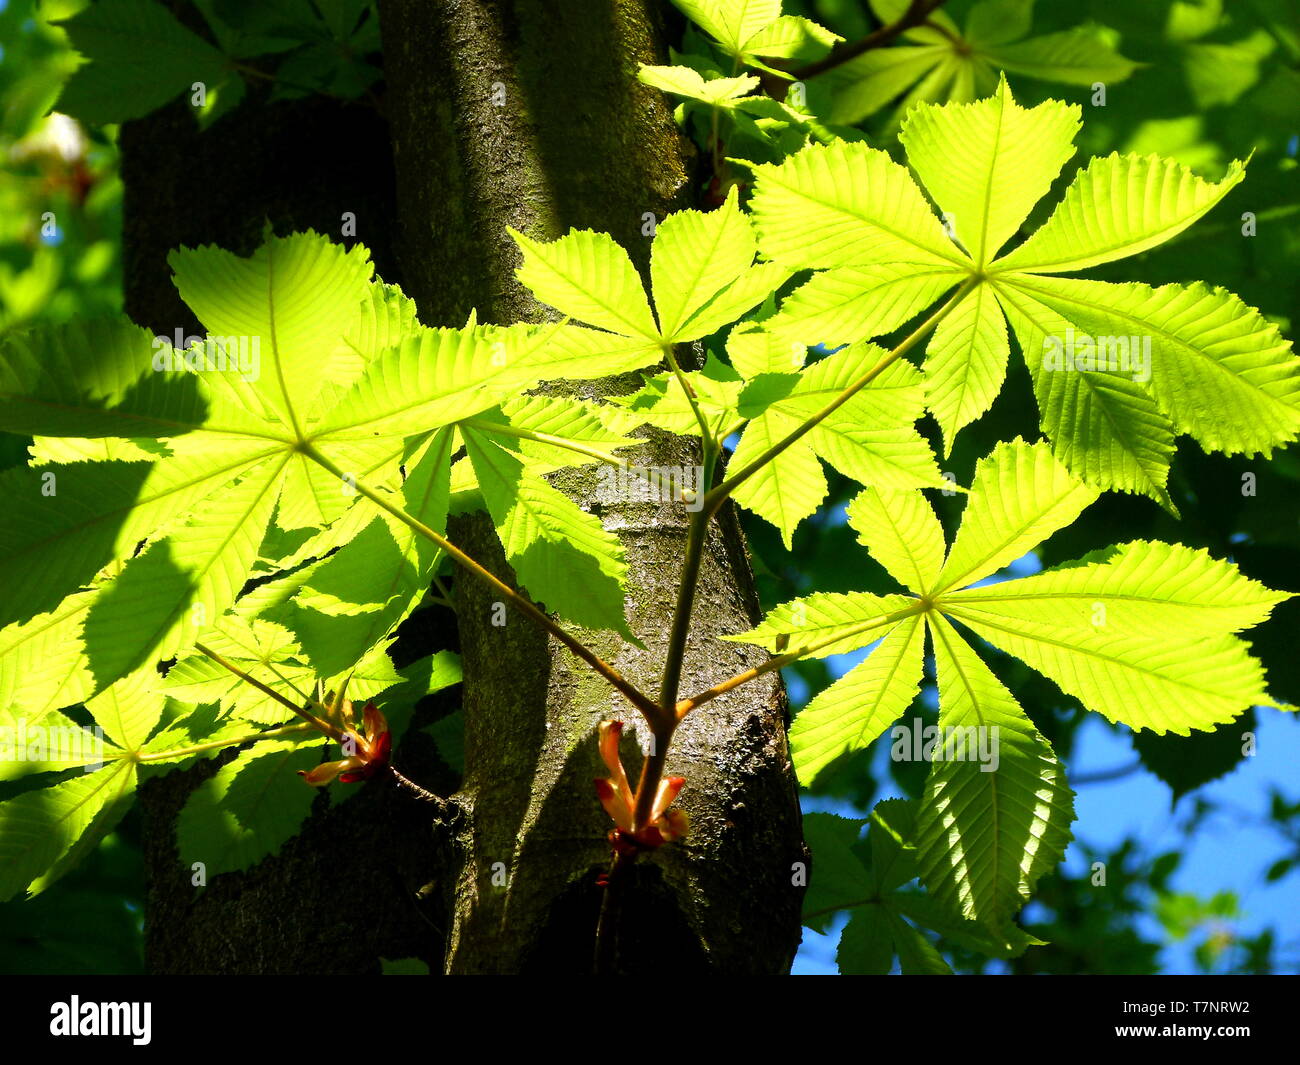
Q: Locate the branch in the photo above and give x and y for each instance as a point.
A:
(916, 14)
(324, 726)
(633, 694)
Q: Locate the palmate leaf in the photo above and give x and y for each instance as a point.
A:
(170, 529)
(1143, 633)
(1118, 370)
(942, 62)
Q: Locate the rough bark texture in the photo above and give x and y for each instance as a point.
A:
(527, 115)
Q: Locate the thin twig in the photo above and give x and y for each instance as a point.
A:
(781, 661)
(916, 14)
(414, 788)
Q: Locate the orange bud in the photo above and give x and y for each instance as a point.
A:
(373, 721)
(665, 795)
(610, 733)
(616, 805)
(327, 772)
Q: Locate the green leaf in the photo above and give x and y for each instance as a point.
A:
(923, 910)
(984, 837)
(260, 648)
(432, 379)
(893, 854)
(1078, 56)
(867, 942)
(589, 277)
(128, 712)
(1187, 762)
(869, 437)
(43, 661)
(249, 809)
(732, 23)
(661, 402)
(839, 879)
(917, 956)
(139, 57)
(38, 827)
(900, 531)
(856, 303)
(1118, 370)
(1104, 630)
(54, 744)
(1151, 588)
(1170, 683)
(48, 388)
(1019, 497)
(296, 297)
(1118, 206)
(966, 362)
(851, 713)
(1217, 368)
(561, 554)
(790, 487)
(998, 21)
(694, 256)
(169, 594)
(1105, 426)
(75, 519)
(683, 81)
(810, 211)
(1008, 157)
(792, 37)
(843, 622)
(748, 290)
(363, 591)
(864, 85)
(946, 64)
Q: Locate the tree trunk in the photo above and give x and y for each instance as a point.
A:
(499, 114)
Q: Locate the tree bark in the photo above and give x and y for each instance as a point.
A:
(521, 114)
